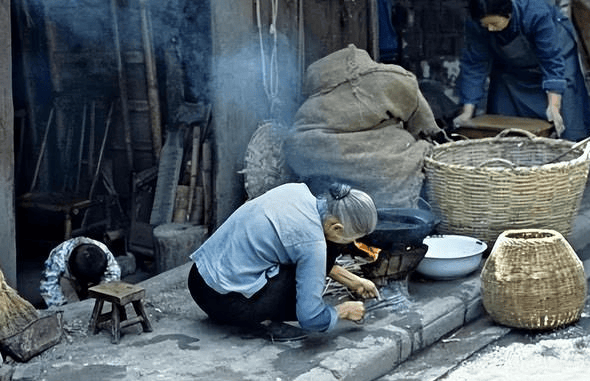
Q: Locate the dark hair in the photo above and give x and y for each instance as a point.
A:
(479, 9)
(87, 264)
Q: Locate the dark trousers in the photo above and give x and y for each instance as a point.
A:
(276, 301)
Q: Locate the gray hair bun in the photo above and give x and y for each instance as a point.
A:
(339, 191)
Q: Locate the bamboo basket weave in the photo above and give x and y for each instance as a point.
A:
(482, 187)
(264, 162)
(533, 279)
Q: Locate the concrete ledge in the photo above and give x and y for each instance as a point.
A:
(394, 337)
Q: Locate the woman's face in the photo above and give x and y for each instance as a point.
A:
(334, 232)
(494, 23)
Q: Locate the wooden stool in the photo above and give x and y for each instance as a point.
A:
(119, 294)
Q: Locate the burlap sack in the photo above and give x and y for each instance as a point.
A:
(362, 123)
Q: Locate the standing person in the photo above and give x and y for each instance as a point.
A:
(268, 261)
(76, 264)
(528, 50)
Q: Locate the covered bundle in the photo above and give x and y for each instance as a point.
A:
(362, 123)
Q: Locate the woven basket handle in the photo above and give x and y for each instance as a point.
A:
(585, 153)
(517, 130)
(456, 135)
(581, 143)
(497, 160)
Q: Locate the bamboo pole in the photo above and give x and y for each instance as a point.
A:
(152, 83)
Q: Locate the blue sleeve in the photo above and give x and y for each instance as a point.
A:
(475, 64)
(541, 27)
(312, 312)
(55, 266)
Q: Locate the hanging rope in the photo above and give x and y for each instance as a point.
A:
(270, 80)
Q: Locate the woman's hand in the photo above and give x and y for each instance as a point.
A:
(553, 112)
(363, 287)
(465, 116)
(366, 289)
(351, 310)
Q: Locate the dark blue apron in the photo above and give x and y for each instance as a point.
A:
(516, 79)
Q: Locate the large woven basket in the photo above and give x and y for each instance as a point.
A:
(482, 187)
(533, 279)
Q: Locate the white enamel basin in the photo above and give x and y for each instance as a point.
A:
(451, 256)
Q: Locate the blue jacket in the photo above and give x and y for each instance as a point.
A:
(283, 226)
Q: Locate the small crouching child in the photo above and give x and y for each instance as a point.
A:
(74, 266)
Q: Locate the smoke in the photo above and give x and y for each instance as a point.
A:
(247, 77)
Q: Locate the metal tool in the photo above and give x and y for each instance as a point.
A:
(396, 299)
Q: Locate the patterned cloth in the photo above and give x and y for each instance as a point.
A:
(56, 267)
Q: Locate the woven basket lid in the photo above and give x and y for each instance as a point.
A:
(264, 162)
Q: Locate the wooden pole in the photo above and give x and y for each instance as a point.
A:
(41, 151)
(81, 148)
(122, 86)
(100, 155)
(300, 48)
(152, 83)
(374, 29)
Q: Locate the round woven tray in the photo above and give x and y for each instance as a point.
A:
(533, 279)
(482, 187)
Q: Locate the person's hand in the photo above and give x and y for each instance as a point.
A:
(354, 311)
(553, 112)
(366, 289)
(465, 116)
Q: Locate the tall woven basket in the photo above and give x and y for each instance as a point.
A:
(533, 279)
(482, 187)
